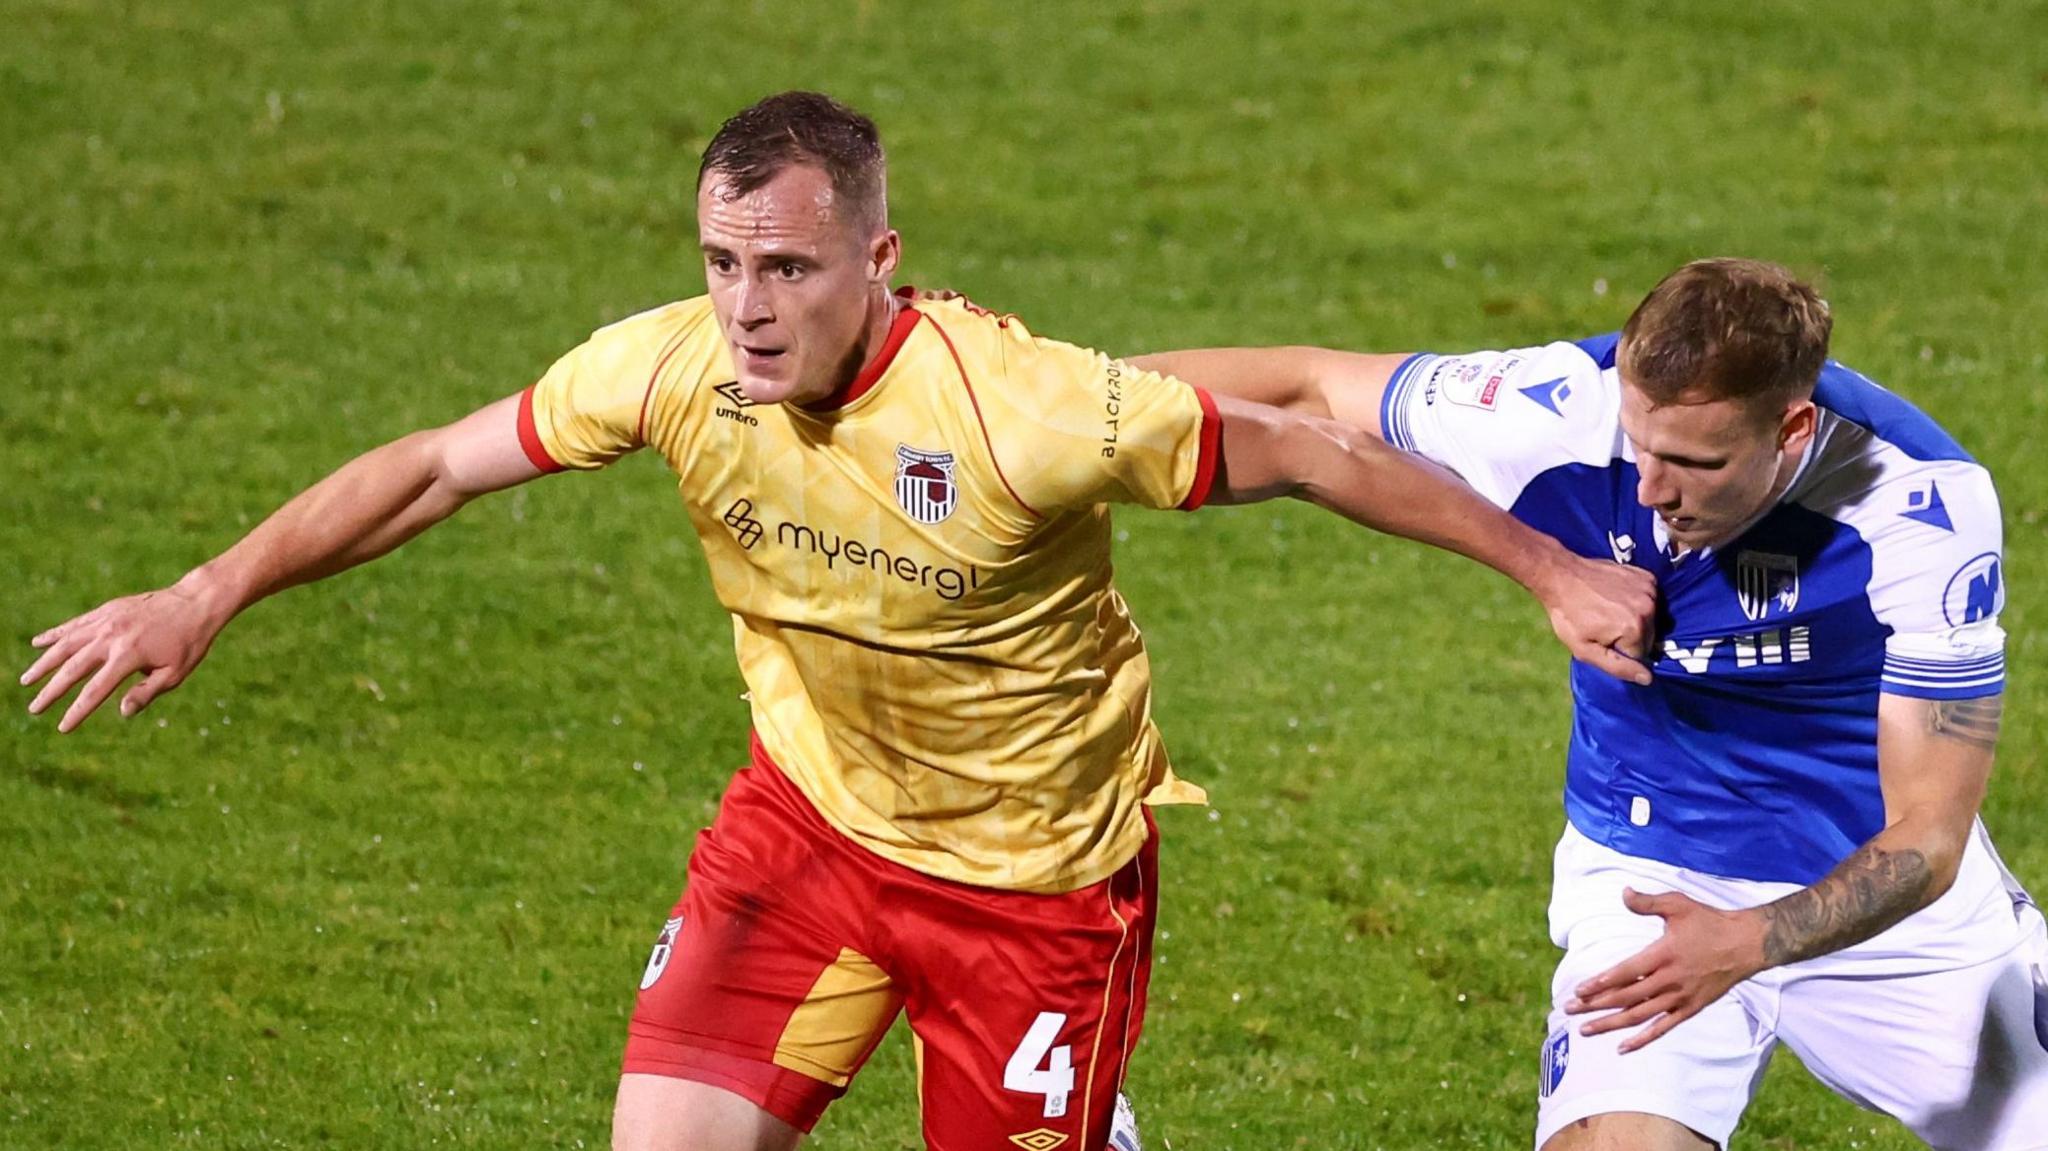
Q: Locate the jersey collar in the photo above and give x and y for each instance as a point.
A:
(899, 330)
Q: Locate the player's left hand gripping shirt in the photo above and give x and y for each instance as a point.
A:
(919, 576)
(1754, 753)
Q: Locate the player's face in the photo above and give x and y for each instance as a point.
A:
(794, 282)
(1710, 468)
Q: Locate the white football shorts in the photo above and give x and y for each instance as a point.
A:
(1940, 1022)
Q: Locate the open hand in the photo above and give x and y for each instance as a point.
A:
(1703, 953)
(161, 634)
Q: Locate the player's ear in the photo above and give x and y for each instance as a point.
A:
(1796, 428)
(883, 255)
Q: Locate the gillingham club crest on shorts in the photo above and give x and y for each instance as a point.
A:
(1557, 1058)
(924, 484)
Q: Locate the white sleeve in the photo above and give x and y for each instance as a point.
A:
(1500, 419)
(1937, 582)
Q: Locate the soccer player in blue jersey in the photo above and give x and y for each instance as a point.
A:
(1777, 840)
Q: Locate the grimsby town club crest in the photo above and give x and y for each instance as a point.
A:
(924, 484)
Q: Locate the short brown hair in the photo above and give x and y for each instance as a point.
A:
(789, 128)
(1726, 329)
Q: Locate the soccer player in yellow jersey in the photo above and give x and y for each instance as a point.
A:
(904, 505)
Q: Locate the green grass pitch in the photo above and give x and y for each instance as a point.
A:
(384, 873)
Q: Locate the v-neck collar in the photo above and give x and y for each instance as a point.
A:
(899, 330)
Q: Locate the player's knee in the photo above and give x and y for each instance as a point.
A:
(1627, 1131)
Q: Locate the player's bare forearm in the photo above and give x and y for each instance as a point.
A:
(373, 504)
(1882, 883)
(1705, 951)
(1603, 612)
(370, 506)
(363, 510)
(1933, 799)
(1352, 473)
(1322, 382)
(1280, 377)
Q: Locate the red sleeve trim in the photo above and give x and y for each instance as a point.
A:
(1211, 453)
(529, 436)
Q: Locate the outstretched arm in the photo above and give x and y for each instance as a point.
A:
(1602, 611)
(1933, 762)
(1322, 382)
(374, 503)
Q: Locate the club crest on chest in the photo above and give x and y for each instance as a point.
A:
(1763, 581)
(924, 484)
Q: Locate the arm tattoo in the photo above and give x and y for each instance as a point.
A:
(1863, 895)
(1973, 721)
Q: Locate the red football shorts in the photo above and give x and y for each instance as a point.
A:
(793, 948)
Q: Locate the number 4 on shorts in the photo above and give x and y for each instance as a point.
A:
(1039, 1068)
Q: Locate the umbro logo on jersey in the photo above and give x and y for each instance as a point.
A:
(1926, 507)
(924, 484)
(736, 403)
(1764, 581)
(1550, 393)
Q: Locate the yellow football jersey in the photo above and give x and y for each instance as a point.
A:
(919, 572)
